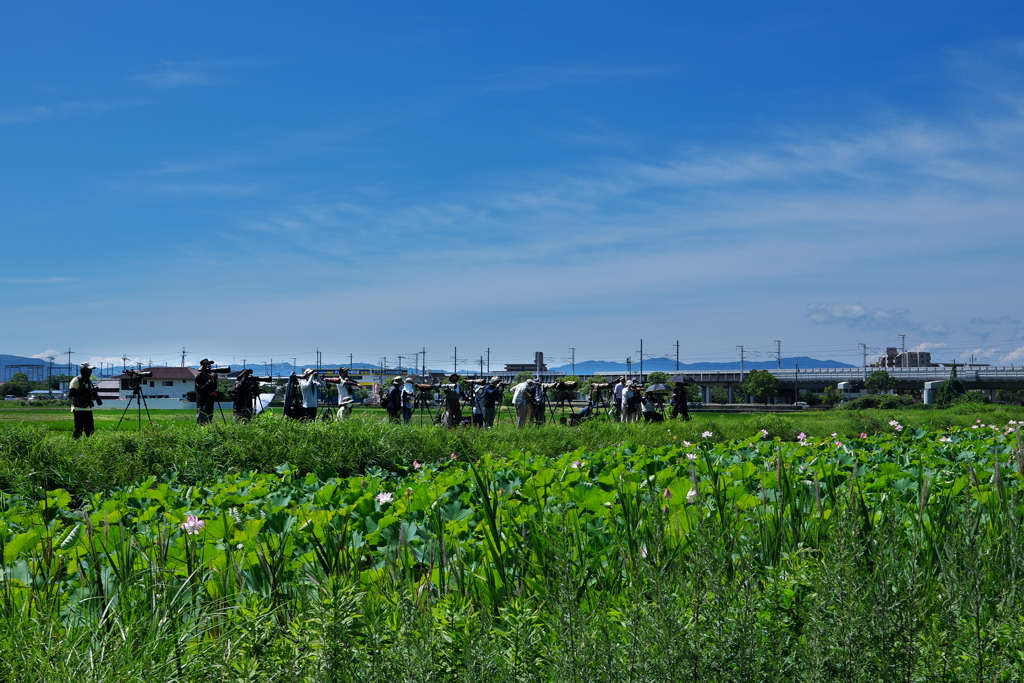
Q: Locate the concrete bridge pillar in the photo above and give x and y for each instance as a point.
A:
(928, 395)
(730, 394)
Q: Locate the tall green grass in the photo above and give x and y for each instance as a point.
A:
(32, 457)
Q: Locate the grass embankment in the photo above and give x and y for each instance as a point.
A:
(32, 456)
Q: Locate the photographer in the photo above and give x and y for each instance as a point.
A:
(523, 397)
(452, 416)
(680, 402)
(651, 408)
(493, 394)
(247, 388)
(538, 400)
(82, 392)
(206, 391)
(392, 401)
(617, 392)
(408, 400)
(309, 384)
(478, 405)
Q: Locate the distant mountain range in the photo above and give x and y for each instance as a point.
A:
(588, 367)
(596, 367)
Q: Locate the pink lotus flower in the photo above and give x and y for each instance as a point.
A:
(452, 456)
(764, 433)
(643, 552)
(707, 434)
(667, 495)
(193, 525)
(415, 464)
(691, 456)
(384, 497)
(576, 464)
(691, 496)
(863, 435)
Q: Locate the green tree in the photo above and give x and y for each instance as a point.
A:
(1011, 396)
(810, 398)
(832, 395)
(880, 382)
(761, 384)
(522, 377)
(950, 390)
(719, 395)
(17, 385)
(658, 377)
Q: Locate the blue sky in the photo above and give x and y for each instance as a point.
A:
(256, 180)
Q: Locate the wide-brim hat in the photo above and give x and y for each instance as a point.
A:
(347, 400)
(454, 377)
(495, 379)
(307, 372)
(410, 379)
(86, 366)
(206, 361)
(397, 380)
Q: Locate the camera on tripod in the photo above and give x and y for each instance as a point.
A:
(138, 374)
(262, 380)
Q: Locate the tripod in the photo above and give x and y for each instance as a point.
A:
(140, 401)
(423, 403)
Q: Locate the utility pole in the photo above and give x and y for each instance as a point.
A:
(423, 355)
(124, 368)
(864, 350)
(778, 352)
(742, 358)
(481, 366)
(400, 363)
(350, 360)
(293, 363)
(319, 359)
(903, 343)
(629, 365)
(641, 360)
(677, 355)
(572, 350)
(69, 361)
(51, 366)
(796, 382)
(488, 360)
(243, 364)
(183, 352)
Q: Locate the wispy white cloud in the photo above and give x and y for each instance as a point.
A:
(62, 110)
(49, 353)
(1014, 357)
(170, 75)
(855, 315)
